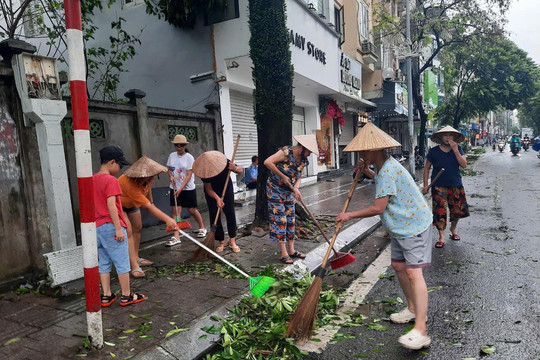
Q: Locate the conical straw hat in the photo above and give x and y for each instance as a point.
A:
(309, 142)
(144, 167)
(370, 137)
(437, 137)
(209, 164)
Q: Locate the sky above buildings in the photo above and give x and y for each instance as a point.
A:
(524, 26)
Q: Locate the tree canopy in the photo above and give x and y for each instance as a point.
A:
(484, 74)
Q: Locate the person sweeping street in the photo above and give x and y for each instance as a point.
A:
(447, 191)
(282, 189)
(182, 187)
(214, 169)
(136, 185)
(405, 214)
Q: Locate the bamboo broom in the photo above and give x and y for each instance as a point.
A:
(302, 321)
(200, 254)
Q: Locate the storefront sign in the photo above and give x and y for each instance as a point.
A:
(300, 42)
(351, 76)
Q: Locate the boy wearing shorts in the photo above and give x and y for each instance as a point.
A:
(406, 215)
(111, 228)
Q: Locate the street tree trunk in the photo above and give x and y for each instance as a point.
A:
(418, 102)
(273, 77)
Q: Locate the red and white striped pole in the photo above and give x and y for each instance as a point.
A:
(83, 157)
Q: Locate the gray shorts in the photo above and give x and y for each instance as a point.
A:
(414, 251)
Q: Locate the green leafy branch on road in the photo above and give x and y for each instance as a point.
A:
(256, 327)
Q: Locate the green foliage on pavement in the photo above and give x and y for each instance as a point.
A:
(255, 328)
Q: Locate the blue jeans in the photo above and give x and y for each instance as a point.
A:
(111, 251)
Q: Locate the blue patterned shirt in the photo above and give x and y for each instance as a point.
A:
(407, 213)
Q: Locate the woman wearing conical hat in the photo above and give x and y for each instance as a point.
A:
(405, 214)
(214, 169)
(286, 167)
(136, 184)
(447, 190)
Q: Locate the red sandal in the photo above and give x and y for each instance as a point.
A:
(455, 237)
(107, 301)
(439, 244)
(126, 300)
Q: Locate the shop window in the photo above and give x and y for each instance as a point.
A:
(190, 132)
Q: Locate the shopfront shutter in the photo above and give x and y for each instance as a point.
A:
(299, 121)
(243, 123)
(347, 131)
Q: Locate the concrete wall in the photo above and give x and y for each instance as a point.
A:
(121, 128)
(24, 232)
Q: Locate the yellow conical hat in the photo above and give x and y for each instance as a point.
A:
(209, 164)
(370, 137)
(144, 167)
(309, 142)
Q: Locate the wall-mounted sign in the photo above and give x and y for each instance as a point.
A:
(350, 76)
(300, 42)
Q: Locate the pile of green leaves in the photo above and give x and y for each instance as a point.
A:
(255, 328)
(196, 269)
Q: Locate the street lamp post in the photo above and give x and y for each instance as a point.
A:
(410, 121)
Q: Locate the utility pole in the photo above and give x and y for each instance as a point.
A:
(410, 120)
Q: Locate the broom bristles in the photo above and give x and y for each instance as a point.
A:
(201, 254)
(303, 319)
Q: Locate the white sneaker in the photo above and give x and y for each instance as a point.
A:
(201, 233)
(414, 340)
(402, 317)
(173, 241)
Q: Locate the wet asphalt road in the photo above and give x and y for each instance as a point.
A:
(485, 288)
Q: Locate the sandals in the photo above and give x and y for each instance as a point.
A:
(144, 262)
(235, 248)
(173, 241)
(298, 255)
(286, 260)
(455, 237)
(439, 244)
(220, 248)
(133, 298)
(107, 301)
(139, 271)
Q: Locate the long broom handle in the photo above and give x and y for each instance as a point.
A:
(345, 207)
(435, 178)
(314, 220)
(227, 180)
(174, 195)
(213, 253)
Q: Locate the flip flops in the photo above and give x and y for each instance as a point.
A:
(137, 271)
(144, 262)
(455, 237)
(235, 248)
(439, 244)
(297, 255)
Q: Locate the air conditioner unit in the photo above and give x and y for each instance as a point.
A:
(368, 47)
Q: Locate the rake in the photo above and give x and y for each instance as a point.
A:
(258, 285)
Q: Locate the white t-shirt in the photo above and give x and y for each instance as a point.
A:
(180, 164)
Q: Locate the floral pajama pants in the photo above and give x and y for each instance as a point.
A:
(281, 216)
(452, 198)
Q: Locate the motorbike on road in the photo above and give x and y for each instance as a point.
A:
(525, 144)
(515, 148)
(501, 146)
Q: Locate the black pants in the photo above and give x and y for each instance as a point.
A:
(230, 215)
(251, 185)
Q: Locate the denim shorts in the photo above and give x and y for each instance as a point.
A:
(111, 251)
(414, 251)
